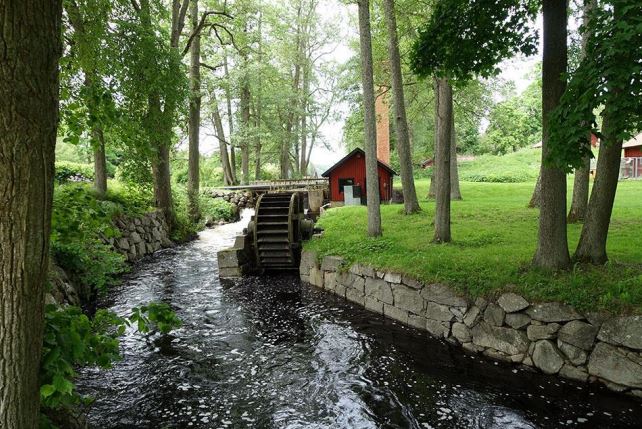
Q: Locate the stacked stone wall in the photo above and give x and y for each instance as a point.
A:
(141, 236)
(551, 337)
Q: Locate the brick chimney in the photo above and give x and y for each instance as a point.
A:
(383, 126)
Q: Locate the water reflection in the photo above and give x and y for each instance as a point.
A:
(271, 353)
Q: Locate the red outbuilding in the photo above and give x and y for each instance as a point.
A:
(351, 171)
(633, 147)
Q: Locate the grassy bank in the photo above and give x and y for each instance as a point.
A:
(494, 240)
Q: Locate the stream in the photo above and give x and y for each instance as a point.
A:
(269, 352)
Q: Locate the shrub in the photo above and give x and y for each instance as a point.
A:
(73, 172)
(79, 222)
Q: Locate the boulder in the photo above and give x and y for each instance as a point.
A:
(392, 278)
(573, 373)
(316, 277)
(461, 332)
(373, 304)
(438, 329)
(472, 316)
(418, 322)
(410, 282)
(362, 270)
(611, 364)
(517, 320)
(330, 280)
(308, 260)
(547, 358)
(442, 294)
(552, 312)
(408, 299)
(494, 315)
(576, 355)
(395, 313)
(331, 263)
(542, 332)
(506, 340)
(355, 296)
(438, 312)
(379, 289)
(623, 331)
(511, 302)
(580, 334)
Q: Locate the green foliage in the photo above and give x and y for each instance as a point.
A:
(467, 38)
(78, 222)
(72, 340)
(212, 210)
(73, 172)
(516, 167)
(496, 236)
(610, 75)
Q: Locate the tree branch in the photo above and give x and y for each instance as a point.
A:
(202, 24)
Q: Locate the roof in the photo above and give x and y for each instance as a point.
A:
(634, 142)
(350, 155)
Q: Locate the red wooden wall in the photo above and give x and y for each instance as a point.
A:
(633, 152)
(355, 168)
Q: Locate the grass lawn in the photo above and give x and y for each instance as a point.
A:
(494, 239)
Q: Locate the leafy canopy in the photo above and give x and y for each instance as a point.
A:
(610, 75)
(467, 38)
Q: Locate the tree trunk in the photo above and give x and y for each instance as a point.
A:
(162, 191)
(259, 101)
(30, 46)
(577, 213)
(579, 203)
(230, 118)
(245, 120)
(552, 244)
(91, 77)
(194, 128)
(228, 176)
(411, 205)
(100, 161)
(431, 189)
(455, 191)
(536, 198)
(370, 121)
(442, 162)
(592, 245)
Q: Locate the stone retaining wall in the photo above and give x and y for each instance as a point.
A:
(141, 236)
(241, 199)
(552, 337)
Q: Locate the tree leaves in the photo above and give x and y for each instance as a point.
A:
(467, 38)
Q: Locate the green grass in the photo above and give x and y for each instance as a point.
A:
(521, 166)
(494, 238)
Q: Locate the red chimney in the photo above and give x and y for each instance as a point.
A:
(383, 126)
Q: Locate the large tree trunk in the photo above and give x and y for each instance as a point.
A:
(370, 121)
(592, 245)
(577, 212)
(411, 205)
(431, 189)
(100, 161)
(455, 191)
(30, 47)
(442, 161)
(552, 245)
(194, 127)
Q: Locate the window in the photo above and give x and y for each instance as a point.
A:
(345, 182)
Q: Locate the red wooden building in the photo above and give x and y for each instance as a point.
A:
(351, 170)
(633, 147)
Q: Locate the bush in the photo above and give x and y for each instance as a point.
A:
(79, 222)
(73, 172)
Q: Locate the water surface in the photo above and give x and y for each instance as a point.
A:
(272, 353)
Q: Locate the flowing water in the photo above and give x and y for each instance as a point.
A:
(271, 353)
